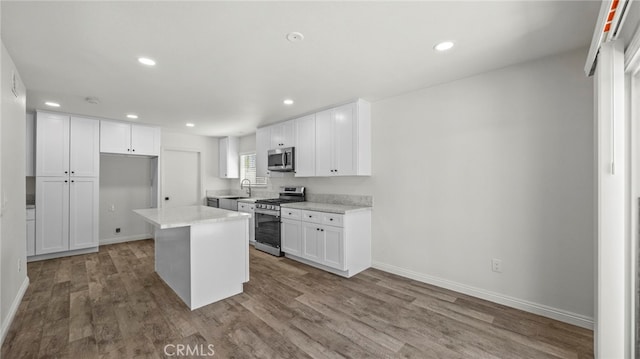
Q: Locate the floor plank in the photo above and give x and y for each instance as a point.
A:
(112, 304)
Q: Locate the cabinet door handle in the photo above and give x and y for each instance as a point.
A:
(128, 150)
(321, 230)
(72, 181)
(65, 181)
(73, 172)
(133, 150)
(331, 219)
(66, 172)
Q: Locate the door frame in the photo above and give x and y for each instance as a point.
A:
(632, 89)
(163, 165)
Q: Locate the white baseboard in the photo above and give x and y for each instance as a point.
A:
(115, 240)
(13, 309)
(531, 307)
(76, 252)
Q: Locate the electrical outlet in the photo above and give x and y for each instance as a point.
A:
(496, 265)
(19, 264)
(117, 230)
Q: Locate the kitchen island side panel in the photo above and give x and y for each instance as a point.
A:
(219, 257)
(173, 263)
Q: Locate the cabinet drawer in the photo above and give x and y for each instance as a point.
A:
(311, 216)
(290, 213)
(333, 219)
(246, 207)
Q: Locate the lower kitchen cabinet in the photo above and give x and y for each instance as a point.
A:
(323, 244)
(67, 214)
(291, 238)
(249, 208)
(338, 243)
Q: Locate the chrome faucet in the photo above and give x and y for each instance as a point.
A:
(248, 187)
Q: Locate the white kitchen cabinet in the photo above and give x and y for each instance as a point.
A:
(312, 246)
(52, 225)
(129, 138)
(305, 147)
(263, 141)
(338, 243)
(84, 147)
(145, 140)
(343, 140)
(67, 145)
(333, 247)
(67, 213)
(282, 134)
(83, 212)
(229, 161)
(52, 144)
(323, 244)
(249, 208)
(291, 236)
(30, 145)
(31, 231)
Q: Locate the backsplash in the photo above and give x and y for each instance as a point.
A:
(344, 199)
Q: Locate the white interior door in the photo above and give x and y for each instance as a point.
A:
(181, 178)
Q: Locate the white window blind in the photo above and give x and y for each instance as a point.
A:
(248, 170)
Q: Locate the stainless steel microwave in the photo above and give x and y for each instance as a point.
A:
(281, 159)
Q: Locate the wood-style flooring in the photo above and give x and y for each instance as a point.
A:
(112, 304)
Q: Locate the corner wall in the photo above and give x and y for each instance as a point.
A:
(13, 249)
(208, 147)
(498, 165)
(126, 183)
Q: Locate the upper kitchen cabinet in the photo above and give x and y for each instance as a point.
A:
(282, 134)
(67, 146)
(229, 162)
(129, 138)
(343, 140)
(305, 148)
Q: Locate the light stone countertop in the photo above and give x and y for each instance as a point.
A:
(228, 196)
(325, 207)
(188, 215)
(250, 199)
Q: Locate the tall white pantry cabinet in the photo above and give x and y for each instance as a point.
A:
(67, 188)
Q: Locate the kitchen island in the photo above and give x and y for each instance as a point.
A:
(202, 253)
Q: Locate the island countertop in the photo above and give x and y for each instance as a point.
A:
(185, 216)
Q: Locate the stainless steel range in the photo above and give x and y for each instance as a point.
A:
(267, 215)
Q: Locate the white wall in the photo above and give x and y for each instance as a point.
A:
(125, 184)
(498, 165)
(208, 147)
(13, 251)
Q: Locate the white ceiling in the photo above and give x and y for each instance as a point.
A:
(226, 66)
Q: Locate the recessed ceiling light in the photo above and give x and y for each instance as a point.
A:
(444, 46)
(146, 61)
(190, 125)
(52, 104)
(132, 116)
(288, 102)
(295, 37)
